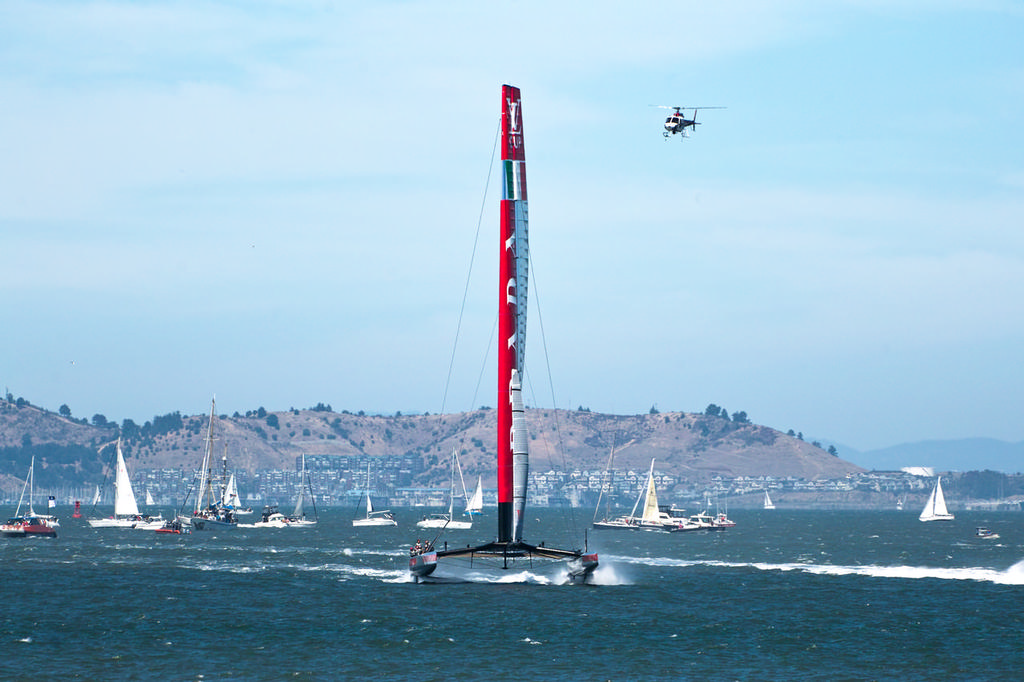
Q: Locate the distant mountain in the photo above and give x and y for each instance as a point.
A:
(965, 454)
(692, 446)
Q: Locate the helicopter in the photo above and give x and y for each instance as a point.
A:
(677, 121)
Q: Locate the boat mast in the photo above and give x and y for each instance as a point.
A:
(204, 477)
(513, 460)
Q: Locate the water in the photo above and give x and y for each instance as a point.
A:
(784, 595)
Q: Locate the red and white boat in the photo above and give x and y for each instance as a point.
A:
(509, 551)
(31, 523)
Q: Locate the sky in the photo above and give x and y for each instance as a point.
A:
(286, 203)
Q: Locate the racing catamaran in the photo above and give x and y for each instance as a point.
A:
(509, 551)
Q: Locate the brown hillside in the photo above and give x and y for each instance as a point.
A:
(693, 446)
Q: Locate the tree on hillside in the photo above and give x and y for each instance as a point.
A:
(129, 429)
(64, 411)
(272, 421)
(740, 417)
(99, 420)
(713, 410)
(654, 409)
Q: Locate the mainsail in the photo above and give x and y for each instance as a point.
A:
(651, 512)
(124, 496)
(935, 508)
(513, 455)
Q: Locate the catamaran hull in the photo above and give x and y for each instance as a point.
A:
(489, 564)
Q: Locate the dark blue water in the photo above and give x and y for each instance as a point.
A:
(784, 595)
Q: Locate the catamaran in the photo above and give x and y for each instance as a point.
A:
(509, 551)
(126, 509)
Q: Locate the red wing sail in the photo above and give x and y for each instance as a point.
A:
(513, 273)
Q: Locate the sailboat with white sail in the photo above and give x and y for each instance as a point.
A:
(935, 507)
(30, 524)
(208, 511)
(126, 509)
(231, 498)
(447, 521)
(652, 516)
(768, 504)
(509, 551)
(273, 518)
(373, 518)
(475, 505)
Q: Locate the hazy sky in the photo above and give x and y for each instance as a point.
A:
(277, 203)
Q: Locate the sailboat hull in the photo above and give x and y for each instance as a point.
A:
(444, 523)
(202, 523)
(27, 527)
(374, 521)
(146, 523)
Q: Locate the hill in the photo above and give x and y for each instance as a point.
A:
(692, 446)
(960, 454)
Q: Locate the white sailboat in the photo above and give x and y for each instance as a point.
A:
(446, 520)
(273, 518)
(475, 506)
(935, 507)
(232, 500)
(126, 509)
(208, 511)
(374, 518)
(508, 551)
(768, 504)
(149, 499)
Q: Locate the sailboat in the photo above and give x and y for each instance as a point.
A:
(231, 498)
(935, 507)
(273, 518)
(446, 520)
(30, 524)
(475, 505)
(652, 517)
(209, 512)
(126, 509)
(768, 504)
(509, 551)
(609, 523)
(374, 518)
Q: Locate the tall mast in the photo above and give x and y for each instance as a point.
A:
(204, 471)
(513, 464)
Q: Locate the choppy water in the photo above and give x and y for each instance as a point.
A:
(784, 595)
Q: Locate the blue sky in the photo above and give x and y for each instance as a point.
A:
(277, 203)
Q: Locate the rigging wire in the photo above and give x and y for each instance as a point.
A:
(569, 516)
(469, 275)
